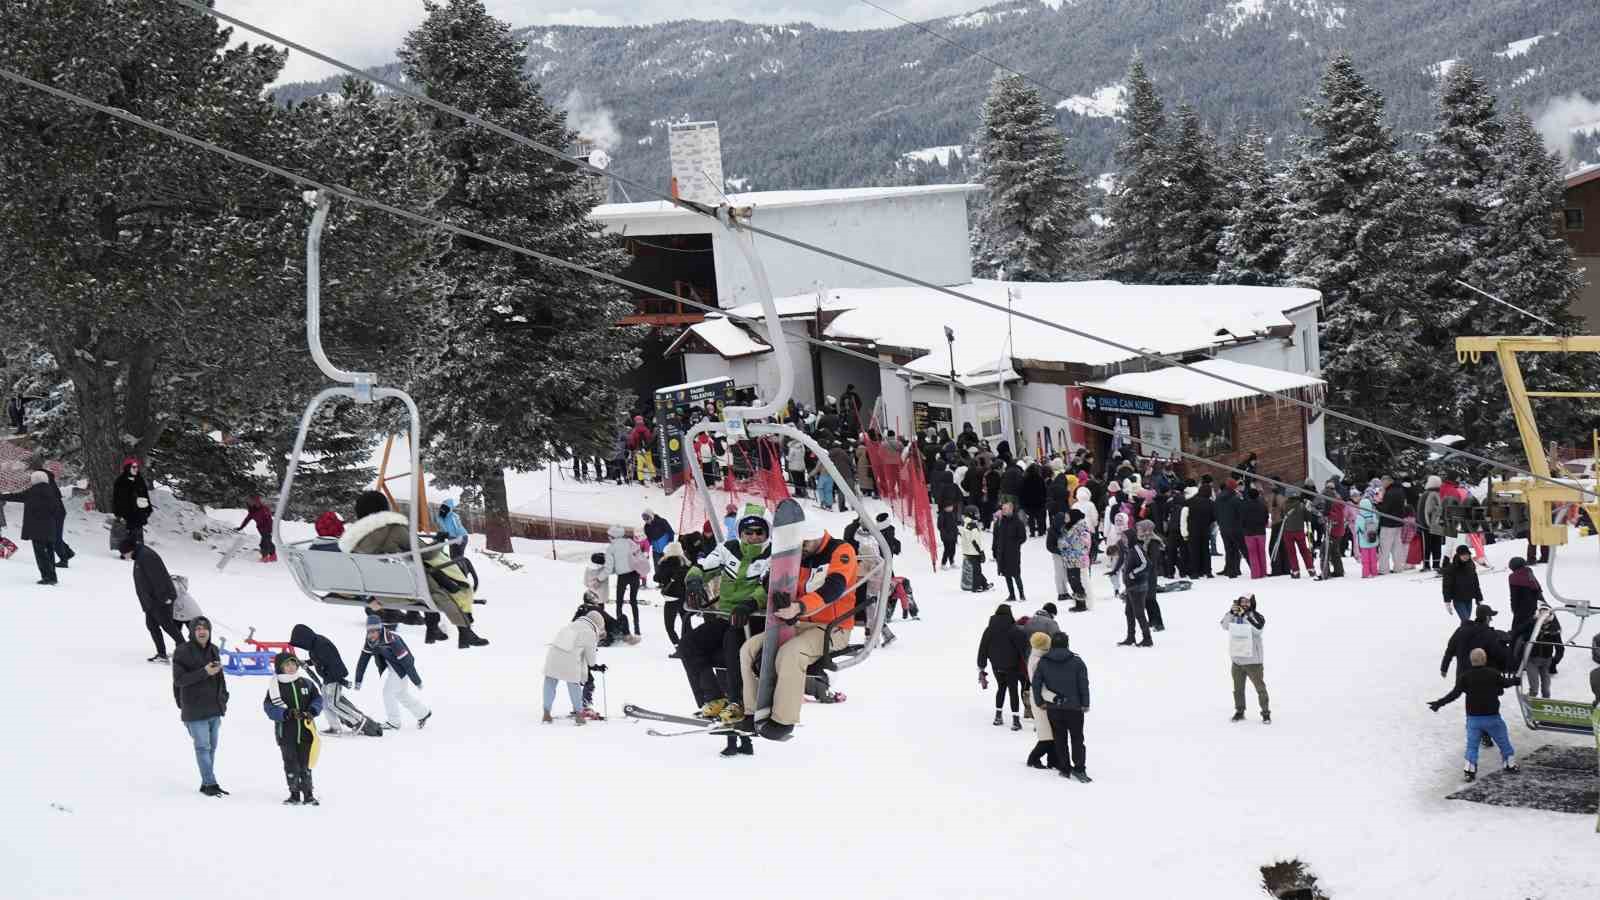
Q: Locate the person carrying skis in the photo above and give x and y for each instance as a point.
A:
(737, 571)
(1061, 692)
(1004, 648)
(256, 511)
(827, 597)
(130, 500)
(1244, 624)
(396, 665)
(293, 702)
(330, 668)
(1482, 686)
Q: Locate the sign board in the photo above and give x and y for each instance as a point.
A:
(676, 407)
(924, 414)
(1077, 435)
(1160, 434)
(1115, 405)
(696, 149)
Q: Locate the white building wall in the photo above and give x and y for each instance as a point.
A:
(1051, 397)
(896, 393)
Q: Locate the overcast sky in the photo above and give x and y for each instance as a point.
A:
(366, 32)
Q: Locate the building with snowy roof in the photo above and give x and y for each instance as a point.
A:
(1581, 206)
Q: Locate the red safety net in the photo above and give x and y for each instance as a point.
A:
(903, 487)
(756, 475)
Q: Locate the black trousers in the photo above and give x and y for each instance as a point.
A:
(797, 480)
(1200, 554)
(1432, 549)
(714, 643)
(1232, 551)
(1043, 752)
(1067, 727)
(296, 756)
(1133, 608)
(158, 624)
(948, 557)
(1036, 523)
(672, 612)
(629, 581)
(267, 547)
(44, 555)
(1006, 683)
(1014, 588)
(1075, 580)
(1152, 611)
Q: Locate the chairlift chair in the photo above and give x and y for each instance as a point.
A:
(394, 580)
(1540, 714)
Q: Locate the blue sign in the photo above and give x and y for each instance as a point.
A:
(1106, 403)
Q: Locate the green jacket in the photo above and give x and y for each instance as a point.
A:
(743, 570)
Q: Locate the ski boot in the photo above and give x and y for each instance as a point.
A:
(713, 710)
(731, 714)
(305, 789)
(294, 789)
(1238, 716)
(998, 718)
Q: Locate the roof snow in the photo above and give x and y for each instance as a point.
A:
(1109, 102)
(728, 339)
(930, 154)
(776, 199)
(1170, 319)
(1518, 48)
(1195, 387)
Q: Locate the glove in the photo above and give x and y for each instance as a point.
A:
(741, 614)
(784, 607)
(694, 592)
(1434, 706)
(600, 667)
(983, 679)
(345, 682)
(417, 682)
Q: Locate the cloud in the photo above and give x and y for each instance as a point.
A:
(367, 32)
(1560, 115)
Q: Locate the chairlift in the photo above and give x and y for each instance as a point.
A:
(1541, 714)
(327, 574)
(741, 421)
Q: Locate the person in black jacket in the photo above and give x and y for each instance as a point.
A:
(153, 584)
(1482, 686)
(292, 702)
(1004, 648)
(330, 668)
(1253, 526)
(1033, 498)
(39, 504)
(201, 692)
(1228, 508)
(1009, 536)
(1201, 515)
(1460, 582)
(1526, 595)
(64, 554)
(1474, 635)
(130, 497)
(397, 666)
(1138, 572)
(1061, 689)
(947, 498)
(674, 565)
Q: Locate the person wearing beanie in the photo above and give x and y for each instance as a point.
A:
(1430, 518)
(1043, 754)
(1526, 598)
(735, 573)
(1459, 578)
(1477, 634)
(1061, 691)
(597, 576)
(1482, 684)
(669, 578)
(39, 521)
(329, 525)
(130, 499)
(1004, 648)
(572, 655)
(1010, 533)
(397, 667)
(1244, 623)
(970, 543)
(1155, 550)
(256, 511)
(1075, 555)
(1043, 621)
(201, 692)
(1138, 578)
(381, 531)
(292, 703)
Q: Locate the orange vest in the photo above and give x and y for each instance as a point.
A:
(827, 584)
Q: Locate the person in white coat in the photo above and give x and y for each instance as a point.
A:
(1243, 623)
(619, 559)
(572, 654)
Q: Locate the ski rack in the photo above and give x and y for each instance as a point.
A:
(395, 580)
(737, 423)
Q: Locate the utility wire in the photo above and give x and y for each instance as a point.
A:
(699, 209)
(968, 50)
(419, 219)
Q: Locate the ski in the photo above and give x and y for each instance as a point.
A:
(783, 577)
(650, 715)
(711, 728)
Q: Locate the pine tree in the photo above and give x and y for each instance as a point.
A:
(1352, 217)
(1130, 246)
(525, 362)
(1197, 203)
(1252, 245)
(1032, 222)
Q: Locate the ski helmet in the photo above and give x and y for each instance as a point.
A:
(753, 523)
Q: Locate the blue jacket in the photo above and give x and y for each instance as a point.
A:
(451, 522)
(390, 650)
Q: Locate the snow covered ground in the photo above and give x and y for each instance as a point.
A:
(905, 790)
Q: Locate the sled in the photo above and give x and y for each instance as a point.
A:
(1171, 586)
(7, 549)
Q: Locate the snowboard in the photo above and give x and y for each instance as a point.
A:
(232, 551)
(783, 576)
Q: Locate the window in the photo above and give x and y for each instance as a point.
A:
(1211, 433)
(1573, 219)
(989, 424)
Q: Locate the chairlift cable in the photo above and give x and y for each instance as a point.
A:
(702, 210)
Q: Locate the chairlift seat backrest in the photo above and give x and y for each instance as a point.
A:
(386, 575)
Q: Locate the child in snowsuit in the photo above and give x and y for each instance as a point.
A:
(971, 546)
(396, 665)
(293, 702)
(256, 511)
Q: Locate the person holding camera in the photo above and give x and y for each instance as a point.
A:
(1243, 623)
(201, 692)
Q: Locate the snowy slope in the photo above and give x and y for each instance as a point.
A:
(487, 802)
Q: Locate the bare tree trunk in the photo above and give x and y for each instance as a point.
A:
(497, 513)
(103, 448)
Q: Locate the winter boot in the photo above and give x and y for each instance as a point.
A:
(547, 720)
(739, 745)
(1469, 773)
(1147, 642)
(1512, 767)
(1016, 722)
(998, 718)
(776, 731)
(1266, 717)
(1080, 604)
(305, 788)
(466, 637)
(294, 788)
(1238, 716)
(1080, 775)
(435, 634)
(1127, 641)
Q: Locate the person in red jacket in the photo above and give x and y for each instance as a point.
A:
(639, 450)
(256, 511)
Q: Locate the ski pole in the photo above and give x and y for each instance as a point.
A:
(605, 703)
